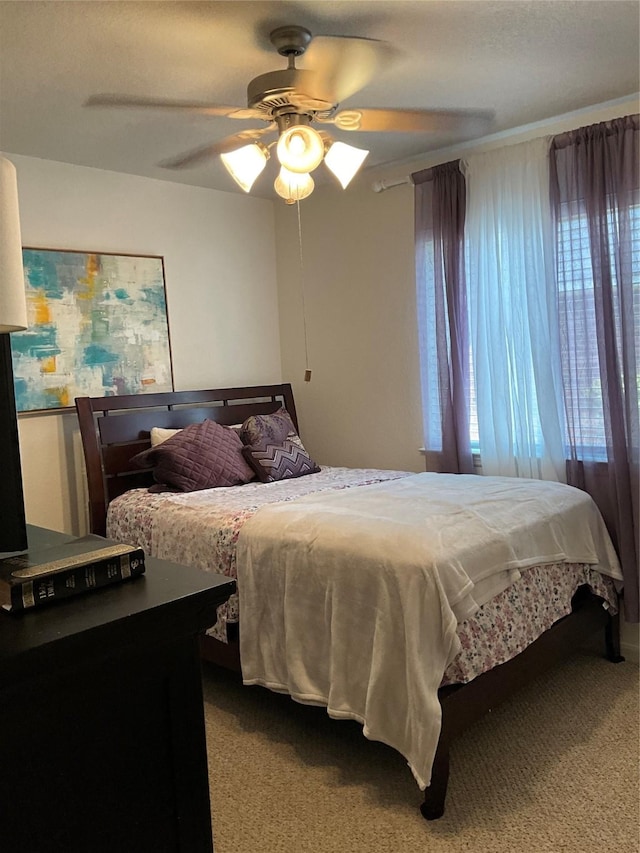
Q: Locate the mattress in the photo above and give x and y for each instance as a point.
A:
(201, 529)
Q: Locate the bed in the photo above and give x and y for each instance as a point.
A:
(374, 562)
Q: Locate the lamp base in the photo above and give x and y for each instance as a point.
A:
(13, 528)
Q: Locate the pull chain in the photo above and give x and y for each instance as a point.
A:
(307, 372)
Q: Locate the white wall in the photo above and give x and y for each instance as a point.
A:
(219, 257)
(362, 406)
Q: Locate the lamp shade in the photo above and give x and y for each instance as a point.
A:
(13, 317)
(300, 149)
(13, 303)
(344, 161)
(245, 164)
(293, 186)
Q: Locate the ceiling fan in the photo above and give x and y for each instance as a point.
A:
(291, 100)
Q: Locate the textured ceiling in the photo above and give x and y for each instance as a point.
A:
(526, 61)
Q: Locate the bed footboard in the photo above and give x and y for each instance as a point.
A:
(226, 655)
(436, 794)
(464, 704)
(612, 639)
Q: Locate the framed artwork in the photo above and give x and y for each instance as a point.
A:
(97, 327)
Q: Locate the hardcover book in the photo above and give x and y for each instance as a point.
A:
(45, 575)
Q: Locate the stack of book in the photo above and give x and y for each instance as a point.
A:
(43, 576)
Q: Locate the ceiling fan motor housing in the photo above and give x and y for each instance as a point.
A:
(285, 88)
(269, 91)
(290, 40)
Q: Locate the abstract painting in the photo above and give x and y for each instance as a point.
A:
(97, 327)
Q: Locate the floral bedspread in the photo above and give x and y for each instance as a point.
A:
(506, 625)
(201, 529)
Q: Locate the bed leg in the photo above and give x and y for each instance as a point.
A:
(612, 639)
(434, 796)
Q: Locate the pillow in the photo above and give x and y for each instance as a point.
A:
(200, 456)
(160, 434)
(281, 461)
(270, 429)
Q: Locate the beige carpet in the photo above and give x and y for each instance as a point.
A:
(555, 769)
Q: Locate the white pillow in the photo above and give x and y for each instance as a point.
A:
(160, 434)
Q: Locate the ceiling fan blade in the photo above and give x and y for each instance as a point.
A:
(342, 65)
(407, 121)
(213, 149)
(158, 103)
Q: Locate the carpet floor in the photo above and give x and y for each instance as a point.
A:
(554, 770)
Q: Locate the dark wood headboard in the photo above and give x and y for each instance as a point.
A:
(114, 429)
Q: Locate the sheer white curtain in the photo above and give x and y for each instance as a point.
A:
(515, 349)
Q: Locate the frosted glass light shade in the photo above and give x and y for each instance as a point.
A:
(344, 161)
(13, 303)
(245, 164)
(293, 186)
(300, 149)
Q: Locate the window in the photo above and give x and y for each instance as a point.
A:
(585, 412)
(585, 419)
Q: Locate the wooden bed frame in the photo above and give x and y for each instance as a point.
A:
(114, 429)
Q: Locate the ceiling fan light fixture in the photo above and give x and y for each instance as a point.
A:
(344, 161)
(300, 149)
(293, 186)
(245, 164)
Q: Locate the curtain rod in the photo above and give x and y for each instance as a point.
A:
(381, 186)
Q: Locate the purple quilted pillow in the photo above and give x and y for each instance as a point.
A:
(200, 456)
(281, 461)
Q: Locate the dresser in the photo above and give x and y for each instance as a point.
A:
(102, 738)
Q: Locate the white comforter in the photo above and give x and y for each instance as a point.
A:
(350, 599)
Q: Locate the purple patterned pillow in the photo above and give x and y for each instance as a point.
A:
(201, 456)
(281, 461)
(272, 429)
